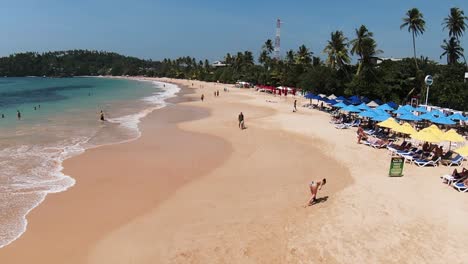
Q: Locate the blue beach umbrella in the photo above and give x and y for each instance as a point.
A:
(409, 108)
(409, 117)
(351, 109)
(402, 111)
(381, 118)
(340, 105)
(355, 101)
(332, 102)
(378, 101)
(427, 116)
(369, 113)
(457, 116)
(365, 99)
(363, 106)
(340, 98)
(421, 109)
(381, 112)
(443, 121)
(392, 105)
(386, 107)
(354, 97)
(309, 96)
(437, 112)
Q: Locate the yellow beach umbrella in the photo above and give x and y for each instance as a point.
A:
(389, 123)
(453, 136)
(434, 129)
(462, 151)
(426, 135)
(405, 129)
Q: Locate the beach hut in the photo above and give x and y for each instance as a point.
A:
(372, 104)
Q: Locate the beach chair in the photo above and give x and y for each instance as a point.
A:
(342, 126)
(457, 161)
(451, 180)
(356, 123)
(460, 186)
(351, 124)
(379, 144)
(424, 162)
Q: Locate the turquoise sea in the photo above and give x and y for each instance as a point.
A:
(60, 119)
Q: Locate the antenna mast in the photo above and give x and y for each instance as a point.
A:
(278, 39)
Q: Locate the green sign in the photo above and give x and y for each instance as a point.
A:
(396, 167)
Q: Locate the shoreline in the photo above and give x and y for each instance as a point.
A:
(237, 196)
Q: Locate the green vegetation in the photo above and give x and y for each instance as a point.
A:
(388, 80)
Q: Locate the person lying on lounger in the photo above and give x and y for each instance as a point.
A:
(314, 188)
(459, 175)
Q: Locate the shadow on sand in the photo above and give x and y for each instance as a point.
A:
(320, 200)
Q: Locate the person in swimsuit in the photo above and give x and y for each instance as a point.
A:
(314, 188)
(241, 120)
(102, 116)
(295, 106)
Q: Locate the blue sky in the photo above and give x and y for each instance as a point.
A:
(209, 29)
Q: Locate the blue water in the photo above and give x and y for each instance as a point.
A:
(33, 148)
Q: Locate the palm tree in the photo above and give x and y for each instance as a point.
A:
(452, 50)
(303, 55)
(369, 50)
(290, 57)
(357, 44)
(268, 46)
(337, 50)
(414, 20)
(455, 22)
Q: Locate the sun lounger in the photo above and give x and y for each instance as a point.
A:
(460, 186)
(342, 126)
(424, 163)
(457, 161)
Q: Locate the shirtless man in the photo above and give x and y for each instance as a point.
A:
(314, 188)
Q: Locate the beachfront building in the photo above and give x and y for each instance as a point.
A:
(217, 64)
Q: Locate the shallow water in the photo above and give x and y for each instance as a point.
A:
(66, 123)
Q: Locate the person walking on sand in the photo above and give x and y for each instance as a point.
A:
(202, 97)
(295, 106)
(241, 121)
(102, 116)
(314, 188)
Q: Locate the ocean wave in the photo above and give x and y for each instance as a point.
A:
(29, 173)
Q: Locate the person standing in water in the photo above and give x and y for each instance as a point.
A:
(18, 114)
(314, 188)
(102, 116)
(241, 120)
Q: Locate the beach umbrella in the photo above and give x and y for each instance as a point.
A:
(436, 112)
(402, 111)
(365, 99)
(421, 109)
(427, 116)
(309, 96)
(388, 123)
(340, 98)
(354, 97)
(368, 113)
(332, 102)
(426, 135)
(372, 104)
(462, 151)
(379, 102)
(351, 109)
(457, 116)
(322, 95)
(380, 118)
(392, 105)
(386, 107)
(355, 101)
(434, 129)
(452, 136)
(409, 117)
(340, 105)
(406, 129)
(332, 97)
(363, 106)
(443, 121)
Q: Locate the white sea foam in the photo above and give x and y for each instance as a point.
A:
(28, 186)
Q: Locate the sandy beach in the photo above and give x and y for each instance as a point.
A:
(194, 188)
